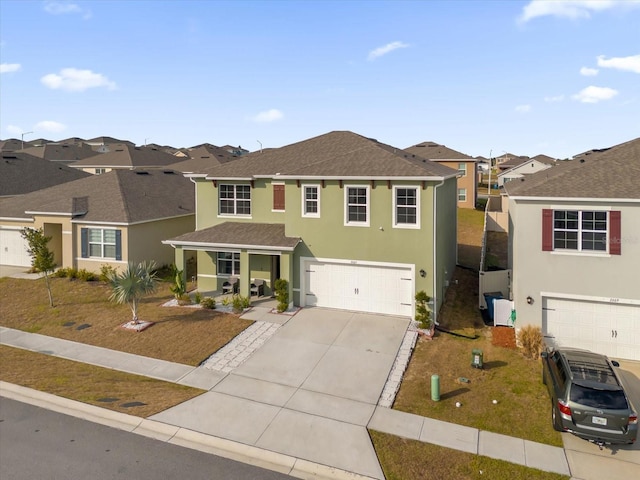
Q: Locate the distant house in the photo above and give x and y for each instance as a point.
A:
(118, 217)
(203, 157)
(62, 152)
(349, 222)
(527, 167)
(574, 249)
(465, 165)
(125, 156)
(21, 173)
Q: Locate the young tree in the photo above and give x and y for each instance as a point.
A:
(132, 284)
(42, 259)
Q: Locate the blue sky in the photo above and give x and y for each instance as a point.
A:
(524, 77)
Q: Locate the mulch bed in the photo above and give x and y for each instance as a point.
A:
(503, 337)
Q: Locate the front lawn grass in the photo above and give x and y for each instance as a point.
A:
(182, 335)
(91, 384)
(403, 459)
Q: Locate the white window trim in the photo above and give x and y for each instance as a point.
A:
(395, 211)
(227, 275)
(304, 199)
(235, 215)
(273, 209)
(462, 171)
(464, 194)
(347, 223)
(580, 250)
(102, 243)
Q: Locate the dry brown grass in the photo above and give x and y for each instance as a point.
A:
(404, 459)
(182, 335)
(89, 384)
(470, 224)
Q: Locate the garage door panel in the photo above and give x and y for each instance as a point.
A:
(361, 287)
(14, 249)
(610, 329)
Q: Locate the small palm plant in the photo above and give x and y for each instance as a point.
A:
(132, 284)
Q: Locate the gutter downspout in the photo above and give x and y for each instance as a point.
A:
(435, 268)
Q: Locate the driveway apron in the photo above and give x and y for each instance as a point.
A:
(308, 392)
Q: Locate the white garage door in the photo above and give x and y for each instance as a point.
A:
(13, 249)
(609, 328)
(363, 288)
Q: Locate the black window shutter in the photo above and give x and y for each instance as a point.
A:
(118, 245)
(84, 242)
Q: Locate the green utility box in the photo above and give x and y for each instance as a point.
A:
(435, 388)
(476, 358)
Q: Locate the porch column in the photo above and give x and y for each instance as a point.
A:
(245, 274)
(286, 272)
(180, 262)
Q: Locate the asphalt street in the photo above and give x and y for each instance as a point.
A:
(38, 443)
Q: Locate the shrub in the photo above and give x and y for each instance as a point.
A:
(208, 302)
(226, 301)
(106, 272)
(532, 341)
(86, 275)
(197, 298)
(184, 299)
(423, 315)
(240, 303)
(282, 294)
(60, 273)
(72, 273)
(179, 287)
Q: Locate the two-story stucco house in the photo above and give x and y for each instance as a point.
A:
(574, 248)
(350, 222)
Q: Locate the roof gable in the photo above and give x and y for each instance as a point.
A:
(434, 151)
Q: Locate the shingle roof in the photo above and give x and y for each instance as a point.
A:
(236, 234)
(546, 159)
(614, 173)
(21, 173)
(513, 162)
(127, 156)
(338, 154)
(67, 152)
(434, 151)
(120, 196)
(10, 145)
(203, 157)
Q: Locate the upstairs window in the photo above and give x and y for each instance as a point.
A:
(462, 169)
(581, 231)
(357, 206)
(310, 201)
(406, 208)
(235, 200)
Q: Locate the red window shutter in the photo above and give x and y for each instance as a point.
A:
(278, 197)
(615, 233)
(547, 230)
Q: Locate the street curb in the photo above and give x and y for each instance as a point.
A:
(178, 436)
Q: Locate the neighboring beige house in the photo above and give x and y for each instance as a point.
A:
(574, 248)
(527, 167)
(118, 217)
(125, 156)
(467, 191)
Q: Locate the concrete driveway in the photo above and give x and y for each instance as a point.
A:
(588, 462)
(308, 392)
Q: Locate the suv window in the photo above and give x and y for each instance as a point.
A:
(591, 397)
(558, 369)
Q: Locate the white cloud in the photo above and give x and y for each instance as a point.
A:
(9, 67)
(50, 126)
(74, 80)
(556, 98)
(630, 64)
(64, 8)
(14, 130)
(268, 116)
(389, 47)
(523, 108)
(572, 9)
(588, 72)
(595, 94)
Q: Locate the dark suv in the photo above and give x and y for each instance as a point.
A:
(587, 398)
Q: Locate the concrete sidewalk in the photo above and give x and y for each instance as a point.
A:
(273, 418)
